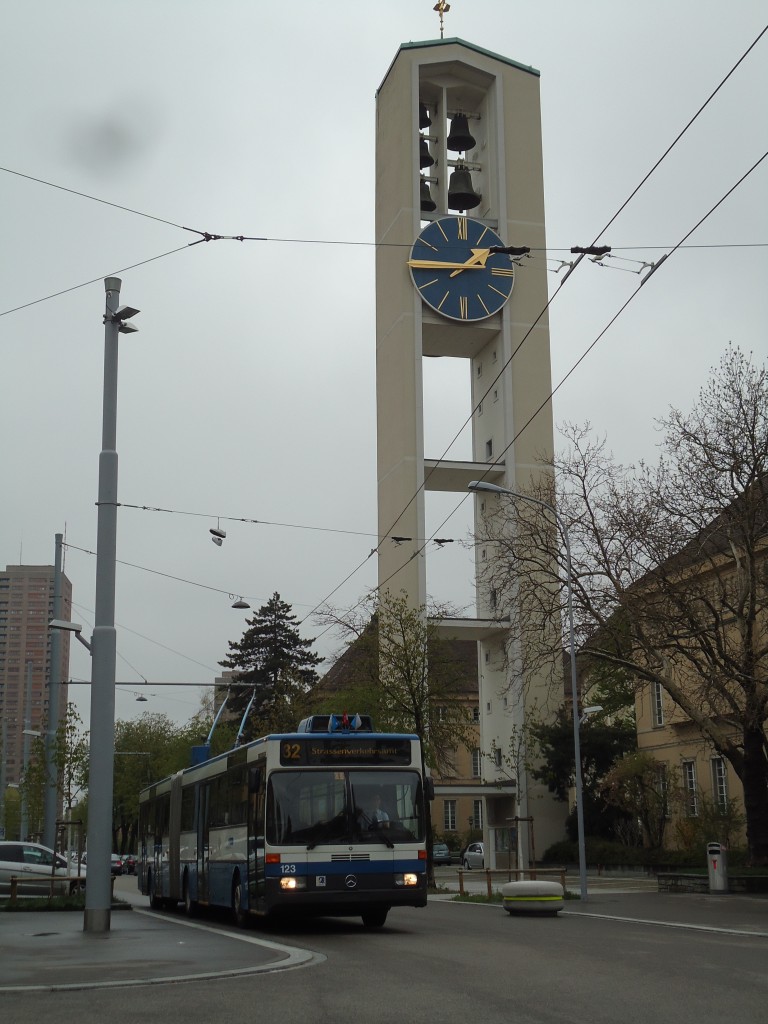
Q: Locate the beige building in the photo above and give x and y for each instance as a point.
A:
(713, 681)
(26, 608)
(459, 177)
(703, 775)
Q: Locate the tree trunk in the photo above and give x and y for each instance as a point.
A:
(755, 782)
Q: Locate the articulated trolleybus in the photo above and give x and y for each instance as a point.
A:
(327, 820)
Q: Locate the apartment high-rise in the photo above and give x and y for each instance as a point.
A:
(26, 608)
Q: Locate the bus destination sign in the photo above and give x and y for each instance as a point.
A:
(337, 751)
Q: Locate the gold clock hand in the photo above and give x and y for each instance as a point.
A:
(478, 258)
(442, 265)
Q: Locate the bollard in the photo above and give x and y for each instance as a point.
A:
(717, 867)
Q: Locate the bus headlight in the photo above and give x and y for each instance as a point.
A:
(409, 878)
(292, 883)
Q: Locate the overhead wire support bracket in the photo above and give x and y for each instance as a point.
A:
(653, 269)
(208, 236)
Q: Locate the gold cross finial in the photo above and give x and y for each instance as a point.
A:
(442, 8)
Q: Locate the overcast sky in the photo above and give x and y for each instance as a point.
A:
(249, 391)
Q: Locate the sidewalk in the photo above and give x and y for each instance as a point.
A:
(50, 950)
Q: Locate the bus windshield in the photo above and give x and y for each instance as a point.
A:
(307, 808)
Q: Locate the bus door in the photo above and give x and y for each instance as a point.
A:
(203, 797)
(174, 828)
(256, 873)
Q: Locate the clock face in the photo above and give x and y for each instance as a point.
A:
(455, 273)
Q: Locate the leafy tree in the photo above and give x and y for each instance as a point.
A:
(147, 749)
(277, 664)
(642, 787)
(399, 669)
(70, 759)
(669, 569)
(602, 744)
(713, 823)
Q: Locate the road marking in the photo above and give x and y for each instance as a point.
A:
(667, 924)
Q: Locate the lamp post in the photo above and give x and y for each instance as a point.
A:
(481, 485)
(103, 647)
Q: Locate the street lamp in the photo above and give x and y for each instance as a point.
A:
(482, 485)
(103, 646)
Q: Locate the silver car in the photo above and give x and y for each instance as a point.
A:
(474, 856)
(34, 866)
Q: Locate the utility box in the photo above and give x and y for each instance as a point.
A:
(717, 866)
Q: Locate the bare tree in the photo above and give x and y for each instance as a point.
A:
(399, 669)
(669, 567)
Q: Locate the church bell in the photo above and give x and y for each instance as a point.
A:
(425, 157)
(461, 192)
(428, 204)
(459, 138)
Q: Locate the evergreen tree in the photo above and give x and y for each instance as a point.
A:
(277, 666)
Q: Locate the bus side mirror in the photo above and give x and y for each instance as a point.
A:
(429, 788)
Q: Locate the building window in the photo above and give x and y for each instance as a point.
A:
(476, 714)
(495, 394)
(479, 369)
(691, 789)
(657, 703)
(476, 759)
(449, 815)
(489, 449)
(487, 657)
(719, 783)
(479, 408)
(663, 785)
(477, 814)
(497, 755)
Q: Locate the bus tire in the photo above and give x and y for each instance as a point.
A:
(375, 917)
(155, 901)
(190, 905)
(238, 911)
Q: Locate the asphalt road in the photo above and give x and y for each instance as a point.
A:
(637, 958)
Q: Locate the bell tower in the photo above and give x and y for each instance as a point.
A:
(459, 196)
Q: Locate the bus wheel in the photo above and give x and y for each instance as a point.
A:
(374, 917)
(238, 912)
(190, 905)
(154, 899)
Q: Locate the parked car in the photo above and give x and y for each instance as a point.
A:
(34, 865)
(441, 854)
(117, 864)
(474, 856)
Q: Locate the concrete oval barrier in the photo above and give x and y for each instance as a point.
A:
(532, 897)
